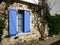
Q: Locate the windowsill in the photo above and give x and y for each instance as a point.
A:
(23, 33)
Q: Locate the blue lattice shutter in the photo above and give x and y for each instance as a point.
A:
(26, 21)
(12, 21)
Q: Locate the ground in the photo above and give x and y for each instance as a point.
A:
(52, 41)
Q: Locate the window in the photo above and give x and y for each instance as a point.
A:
(23, 21)
(20, 23)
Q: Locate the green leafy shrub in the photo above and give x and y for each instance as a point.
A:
(53, 24)
(2, 26)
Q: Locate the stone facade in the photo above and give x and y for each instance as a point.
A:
(34, 34)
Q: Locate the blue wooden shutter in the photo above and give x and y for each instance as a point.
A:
(12, 21)
(26, 21)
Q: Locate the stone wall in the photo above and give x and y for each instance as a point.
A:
(2, 16)
(34, 34)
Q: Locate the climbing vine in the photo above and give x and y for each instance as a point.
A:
(2, 26)
(52, 21)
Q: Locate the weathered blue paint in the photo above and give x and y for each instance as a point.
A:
(26, 21)
(12, 21)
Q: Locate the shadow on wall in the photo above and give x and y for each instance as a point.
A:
(56, 43)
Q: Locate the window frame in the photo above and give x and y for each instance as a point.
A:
(22, 22)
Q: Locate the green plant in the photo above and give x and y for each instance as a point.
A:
(2, 26)
(53, 24)
(53, 21)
